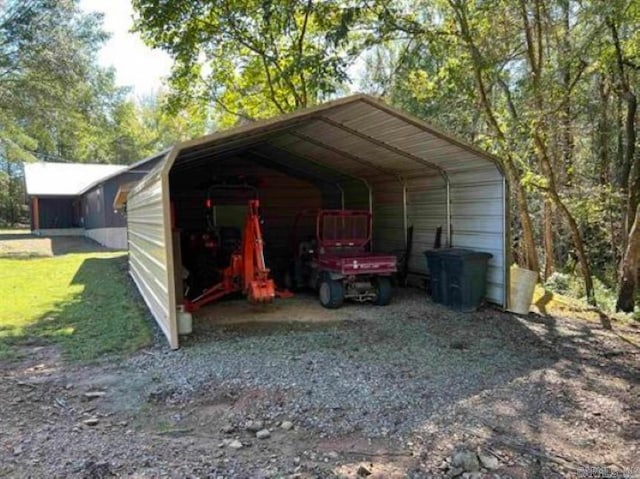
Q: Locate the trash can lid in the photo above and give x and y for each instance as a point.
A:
(463, 252)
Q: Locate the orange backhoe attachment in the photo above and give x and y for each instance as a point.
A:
(258, 287)
(247, 272)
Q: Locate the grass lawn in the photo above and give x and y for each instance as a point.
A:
(82, 301)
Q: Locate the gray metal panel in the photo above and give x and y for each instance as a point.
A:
(354, 145)
(356, 195)
(388, 216)
(477, 215)
(149, 262)
(427, 210)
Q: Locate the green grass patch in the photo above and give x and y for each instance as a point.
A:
(84, 302)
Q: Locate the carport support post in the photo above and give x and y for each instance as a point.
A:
(405, 221)
(36, 214)
(506, 243)
(448, 183)
(168, 248)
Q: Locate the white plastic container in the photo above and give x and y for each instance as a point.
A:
(185, 321)
(523, 285)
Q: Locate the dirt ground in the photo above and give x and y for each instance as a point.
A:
(408, 390)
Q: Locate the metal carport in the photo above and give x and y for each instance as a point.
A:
(353, 152)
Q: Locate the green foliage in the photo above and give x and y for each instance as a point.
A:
(252, 59)
(560, 283)
(45, 62)
(57, 104)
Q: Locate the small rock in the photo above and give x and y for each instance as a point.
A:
(467, 460)
(17, 450)
(263, 434)
(228, 428)
(98, 469)
(235, 444)
(92, 421)
(471, 475)
(455, 472)
(333, 455)
(488, 461)
(94, 394)
(363, 471)
(254, 426)
(286, 425)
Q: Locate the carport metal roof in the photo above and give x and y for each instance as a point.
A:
(357, 137)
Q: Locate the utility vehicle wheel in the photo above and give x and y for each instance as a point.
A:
(382, 284)
(331, 293)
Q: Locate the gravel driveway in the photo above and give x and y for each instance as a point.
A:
(408, 390)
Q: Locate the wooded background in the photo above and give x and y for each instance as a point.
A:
(549, 86)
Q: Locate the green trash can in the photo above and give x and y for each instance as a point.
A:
(436, 275)
(465, 278)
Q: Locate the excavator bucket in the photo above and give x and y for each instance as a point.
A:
(261, 291)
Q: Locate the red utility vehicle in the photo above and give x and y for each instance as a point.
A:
(338, 263)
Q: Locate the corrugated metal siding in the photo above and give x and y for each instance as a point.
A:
(388, 215)
(477, 218)
(356, 195)
(110, 188)
(149, 262)
(395, 131)
(97, 203)
(426, 211)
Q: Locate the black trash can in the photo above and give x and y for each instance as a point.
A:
(436, 275)
(465, 278)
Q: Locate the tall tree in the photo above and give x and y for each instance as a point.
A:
(45, 46)
(622, 19)
(250, 58)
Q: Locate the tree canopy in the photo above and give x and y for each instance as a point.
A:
(58, 104)
(253, 59)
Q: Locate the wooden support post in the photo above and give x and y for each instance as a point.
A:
(35, 211)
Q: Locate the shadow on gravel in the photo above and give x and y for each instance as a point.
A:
(544, 389)
(570, 416)
(25, 245)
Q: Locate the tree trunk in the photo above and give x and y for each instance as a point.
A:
(530, 254)
(602, 133)
(576, 235)
(629, 270)
(549, 256)
(10, 199)
(633, 198)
